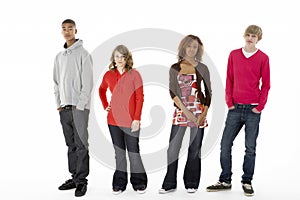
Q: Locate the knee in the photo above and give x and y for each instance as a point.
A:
(71, 148)
(133, 147)
(82, 143)
(120, 152)
(194, 153)
(70, 144)
(250, 151)
(194, 149)
(173, 149)
(225, 150)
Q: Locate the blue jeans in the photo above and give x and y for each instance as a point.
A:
(123, 139)
(192, 168)
(241, 115)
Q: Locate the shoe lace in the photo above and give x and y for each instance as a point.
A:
(218, 183)
(248, 186)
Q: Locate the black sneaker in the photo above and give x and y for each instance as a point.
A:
(69, 184)
(248, 189)
(219, 186)
(80, 190)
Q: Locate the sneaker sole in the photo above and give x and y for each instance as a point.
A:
(191, 191)
(116, 193)
(141, 191)
(217, 190)
(248, 195)
(79, 195)
(166, 191)
(67, 188)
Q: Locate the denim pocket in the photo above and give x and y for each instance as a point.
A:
(255, 112)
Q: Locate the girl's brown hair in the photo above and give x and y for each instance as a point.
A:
(185, 42)
(127, 56)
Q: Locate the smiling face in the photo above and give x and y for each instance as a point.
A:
(119, 59)
(191, 49)
(68, 31)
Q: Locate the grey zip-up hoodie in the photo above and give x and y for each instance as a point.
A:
(73, 77)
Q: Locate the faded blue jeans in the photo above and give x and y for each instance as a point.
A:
(241, 115)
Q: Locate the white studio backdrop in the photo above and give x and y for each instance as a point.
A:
(33, 151)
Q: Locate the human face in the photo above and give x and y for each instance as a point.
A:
(250, 39)
(191, 49)
(119, 59)
(68, 31)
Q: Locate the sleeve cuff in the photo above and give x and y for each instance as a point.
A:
(258, 108)
(230, 105)
(137, 118)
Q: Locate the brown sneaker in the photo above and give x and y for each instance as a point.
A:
(219, 186)
(248, 189)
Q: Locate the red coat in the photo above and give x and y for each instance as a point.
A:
(127, 97)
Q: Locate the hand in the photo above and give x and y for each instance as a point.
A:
(201, 118)
(59, 109)
(107, 108)
(231, 108)
(135, 125)
(255, 110)
(191, 117)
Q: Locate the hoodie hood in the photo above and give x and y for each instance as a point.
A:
(69, 50)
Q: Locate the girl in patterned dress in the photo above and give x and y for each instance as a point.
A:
(190, 89)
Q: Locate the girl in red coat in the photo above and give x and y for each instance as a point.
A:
(124, 114)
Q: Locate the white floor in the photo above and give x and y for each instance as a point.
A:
(35, 174)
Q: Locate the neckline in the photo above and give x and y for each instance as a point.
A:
(248, 55)
(187, 74)
(183, 62)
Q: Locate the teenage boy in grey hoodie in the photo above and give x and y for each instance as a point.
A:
(73, 82)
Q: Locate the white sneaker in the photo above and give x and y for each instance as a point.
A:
(163, 191)
(191, 190)
(141, 191)
(116, 192)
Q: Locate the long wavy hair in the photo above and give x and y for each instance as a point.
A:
(127, 56)
(185, 42)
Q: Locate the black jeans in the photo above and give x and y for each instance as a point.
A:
(74, 123)
(192, 168)
(123, 139)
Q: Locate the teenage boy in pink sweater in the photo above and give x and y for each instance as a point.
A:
(247, 87)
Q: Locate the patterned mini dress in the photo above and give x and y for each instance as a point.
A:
(189, 97)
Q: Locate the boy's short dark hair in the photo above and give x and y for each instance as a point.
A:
(70, 21)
